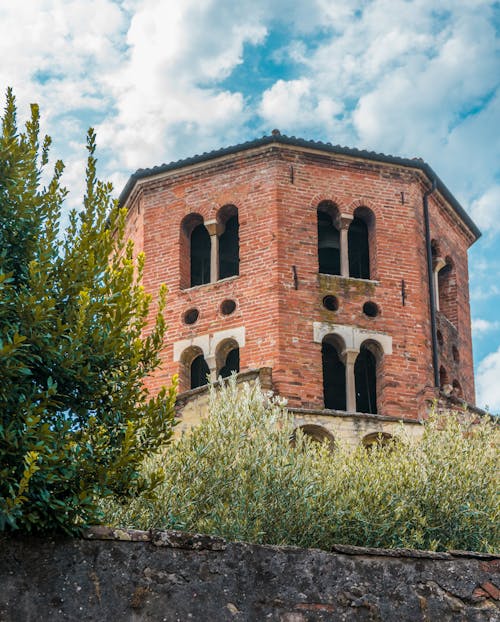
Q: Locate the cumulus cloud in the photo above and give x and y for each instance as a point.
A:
(482, 327)
(487, 385)
(486, 211)
(295, 104)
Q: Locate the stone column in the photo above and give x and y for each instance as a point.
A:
(344, 222)
(349, 358)
(214, 230)
(437, 265)
(212, 366)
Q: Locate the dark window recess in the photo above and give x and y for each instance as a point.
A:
(191, 316)
(229, 251)
(333, 378)
(328, 245)
(370, 309)
(331, 303)
(232, 363)
(227, 307)
(440, 337)
(359, 252)
(443, 377)
(365, 378)
(200, 256)
(455, 353)
(199, 372)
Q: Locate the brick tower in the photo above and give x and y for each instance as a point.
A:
(337, 276)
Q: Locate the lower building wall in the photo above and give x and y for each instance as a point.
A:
(174, 577)
(351, 429)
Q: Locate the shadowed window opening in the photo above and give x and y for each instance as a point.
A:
(199, 372)
(443, 377)
(370, 309)
(229, 251)
(232, 363)
(455, 353)
(227, 307)
(365, 378)
(191, 316)
(200, 256)
(331, 303)
(334, 390)
(440, 337)
(359, 250)
(328, 244)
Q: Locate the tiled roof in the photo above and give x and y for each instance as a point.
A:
(319, 146)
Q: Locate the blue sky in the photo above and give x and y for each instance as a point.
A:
(165, 79)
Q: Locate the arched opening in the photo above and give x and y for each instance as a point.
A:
(328, 239)
(365, 379)
(380, 439)
(200, 255)
(200, 372)
(229, 242)
(232, 363)
(227, 358)
(317, 434)
(443, 377)
(447, 290)
(359, 249)
(334, 379)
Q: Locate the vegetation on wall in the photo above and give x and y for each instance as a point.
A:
(237, 475)
(75, 418)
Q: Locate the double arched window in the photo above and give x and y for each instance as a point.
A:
(209, 251)
(352, 373)
(345, 242)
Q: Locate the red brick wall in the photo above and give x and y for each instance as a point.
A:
(278, 230)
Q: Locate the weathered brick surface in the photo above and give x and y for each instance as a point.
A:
(174, 577)
(276, 190)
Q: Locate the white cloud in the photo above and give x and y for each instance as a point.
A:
(295, 104)
(481, 326)
(487, 382)
(486, 211)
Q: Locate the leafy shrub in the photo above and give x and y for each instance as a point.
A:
(238, 476)
(75, 417)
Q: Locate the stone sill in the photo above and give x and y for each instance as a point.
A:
(188, 290)
(344, 414)
(339, 277)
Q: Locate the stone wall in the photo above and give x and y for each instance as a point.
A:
(176, 577)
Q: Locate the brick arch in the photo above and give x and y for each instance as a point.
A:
(361, 202)
(322, 196)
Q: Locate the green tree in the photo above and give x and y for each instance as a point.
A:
(76, 420)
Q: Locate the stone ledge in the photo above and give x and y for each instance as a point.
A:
(197, 542)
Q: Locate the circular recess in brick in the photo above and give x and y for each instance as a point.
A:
(227, 307)
(456, 355)
(440, 338)
(190, 316)
(331, 303)
(370, 309)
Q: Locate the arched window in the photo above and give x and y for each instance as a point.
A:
(365, 379)
(317, 434)
(334, 380)
(232, 363)
(328, 239)
(447, 288)
(200, 255)
(229, 250)
(199, 372)
(443, 377)
(380, 439)
(359, 249)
